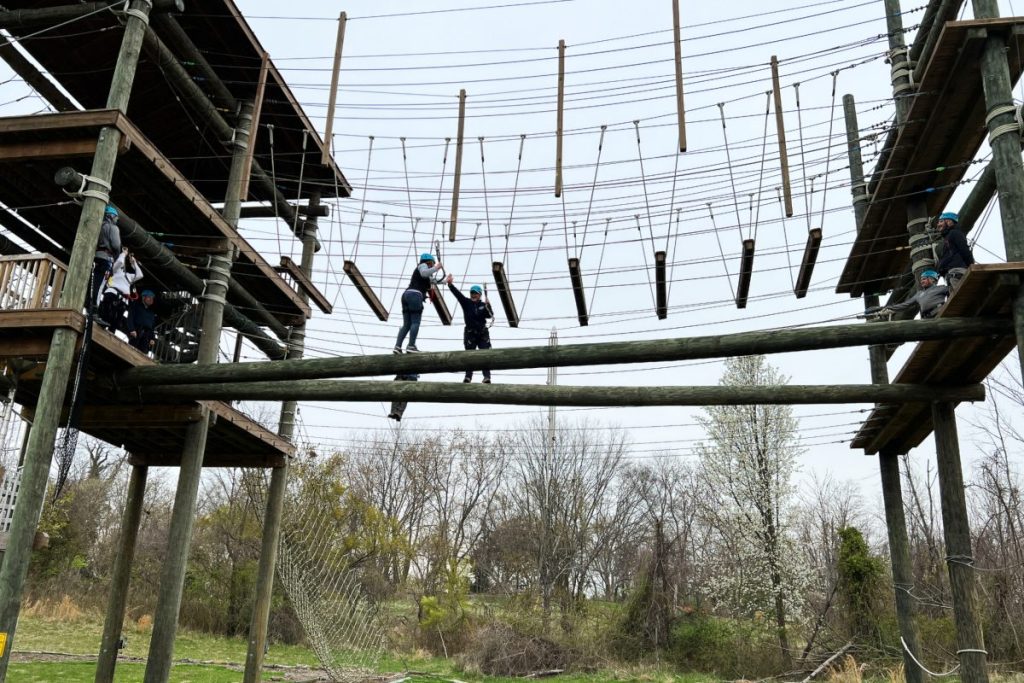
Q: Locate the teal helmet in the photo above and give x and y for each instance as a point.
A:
(476, 289)
(110, 211)
(427, 257)
(930, 273)
(950, 215)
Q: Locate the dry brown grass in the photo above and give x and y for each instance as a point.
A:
(846, 671)
(64, 609)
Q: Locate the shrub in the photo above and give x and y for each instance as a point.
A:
(498, 650)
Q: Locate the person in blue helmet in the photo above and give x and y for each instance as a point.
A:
(107, 249)
(956, 252)
(929, 299)
(475, 312)
(142, 321)
(412, 301)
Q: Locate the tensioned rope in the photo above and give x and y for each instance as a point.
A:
(298, 198)
(718, 238)
(515, 190)
(828, 154)
(600, 262)
(760, 176)
(593, 188)
(732, 182)
(362, 204)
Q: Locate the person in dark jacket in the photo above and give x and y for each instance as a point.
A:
(929, 299)
(107, 249)
(412, 301)
(398, 407)
(956, 252)
(141, 321)
(476, 311)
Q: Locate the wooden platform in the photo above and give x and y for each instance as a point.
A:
(944, 130)
(986, 292)
(153, 434)
(146, 185)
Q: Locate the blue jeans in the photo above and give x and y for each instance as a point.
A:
(412, 313)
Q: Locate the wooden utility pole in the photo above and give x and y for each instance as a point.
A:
(274, 512)
(457, 180)
(114, 621)
(39, 451)
(959, 556)
(680, 104)
(560, 118)
(172, 578)
(339, 45)
(899, 66)
(780, 127)
(569, 355)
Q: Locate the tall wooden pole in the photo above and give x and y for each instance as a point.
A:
(339, 45)
(680, 104)
(995, 79)
(560, 118)
(899, 66)
(457, 181)
(274, 512)
(118, 599)
(780, 127)
(569, 355)
(959, 558)
(172, 578)
(888, 463)
(39, 451)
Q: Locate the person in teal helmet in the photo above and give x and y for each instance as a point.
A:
(956, 252)
(476, 311)
(412, 301)
(929, 299)
(107, 249)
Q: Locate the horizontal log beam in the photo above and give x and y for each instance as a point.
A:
(529, 394)
(47, 16)
(567, 355)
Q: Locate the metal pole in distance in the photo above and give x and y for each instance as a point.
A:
(39, 450)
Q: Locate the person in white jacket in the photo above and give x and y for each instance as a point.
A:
(116, 291)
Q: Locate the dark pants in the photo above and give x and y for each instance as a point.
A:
(142, 339)
(412, 314)
(100, 267)
(476, 338)
(112, 308)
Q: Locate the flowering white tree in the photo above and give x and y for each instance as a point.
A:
(748, 464)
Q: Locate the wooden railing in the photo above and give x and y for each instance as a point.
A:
(30, 281)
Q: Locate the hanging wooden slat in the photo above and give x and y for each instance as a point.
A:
(803, 279)
(561, 112)
(661, 286)
(458, 165)
(780, 125)
(577, 291)
(365, 290)
(505, 293)
(325, 158)
(680, 105)
(746, 268)
(440, 305)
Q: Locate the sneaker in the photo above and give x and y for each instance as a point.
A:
(487, 380)
(397, 351)
(411, 348)
(466, 380)
(394, 416)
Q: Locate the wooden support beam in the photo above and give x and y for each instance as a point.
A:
(440, 305)
(457, 181)
(540, 395)
(52, 149)
(574, 355)
(746, 269)
(660, 285)
(305, 284)
(505, 293)
(680, 105)
(339, 45)
(254, 127)
(365, 290)
(780, 127)
(803, 278)
(561, 118)
(152, 416)
(263, 211)
(16, 20)
(576, 275)
(39, 82)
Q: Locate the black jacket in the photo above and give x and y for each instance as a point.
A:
(956, 253)
(475, 313)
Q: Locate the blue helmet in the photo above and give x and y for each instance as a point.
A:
(930, 273)
(949, 215)
(110, 210)
(476, 289)
(427, 257)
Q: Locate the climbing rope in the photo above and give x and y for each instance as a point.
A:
(718, 238)
(487, 209)
(533, 270)
(298, 198)
(515, 190)
(828, 154)
(600, 262)
(440, 189)
(362, 204)
(756, 218)
(593, 187)
(732, 181)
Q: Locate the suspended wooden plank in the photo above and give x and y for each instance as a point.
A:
(365, 290)
(458, 165)
(577, 291)
(561, 112)
(780, 125)
(680, 105)
(325, 158)
(440, 305)
(505, 293)
(660, 285)
(803, 279)
(746, 268)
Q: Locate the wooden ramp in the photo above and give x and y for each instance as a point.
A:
(987, 291)
(153, 434)
(944, 130)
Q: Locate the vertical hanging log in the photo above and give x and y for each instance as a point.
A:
(505, 293)
(325, 159)
(680, 105)
(780, 125)
(660, 285)
(254, 125)
(458, 165)
(746, 268)
(561, 113)
(440, 305)
(577, 291)
(803, 278)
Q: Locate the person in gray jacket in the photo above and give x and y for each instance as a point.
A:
(107, 249)
(929, 299)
